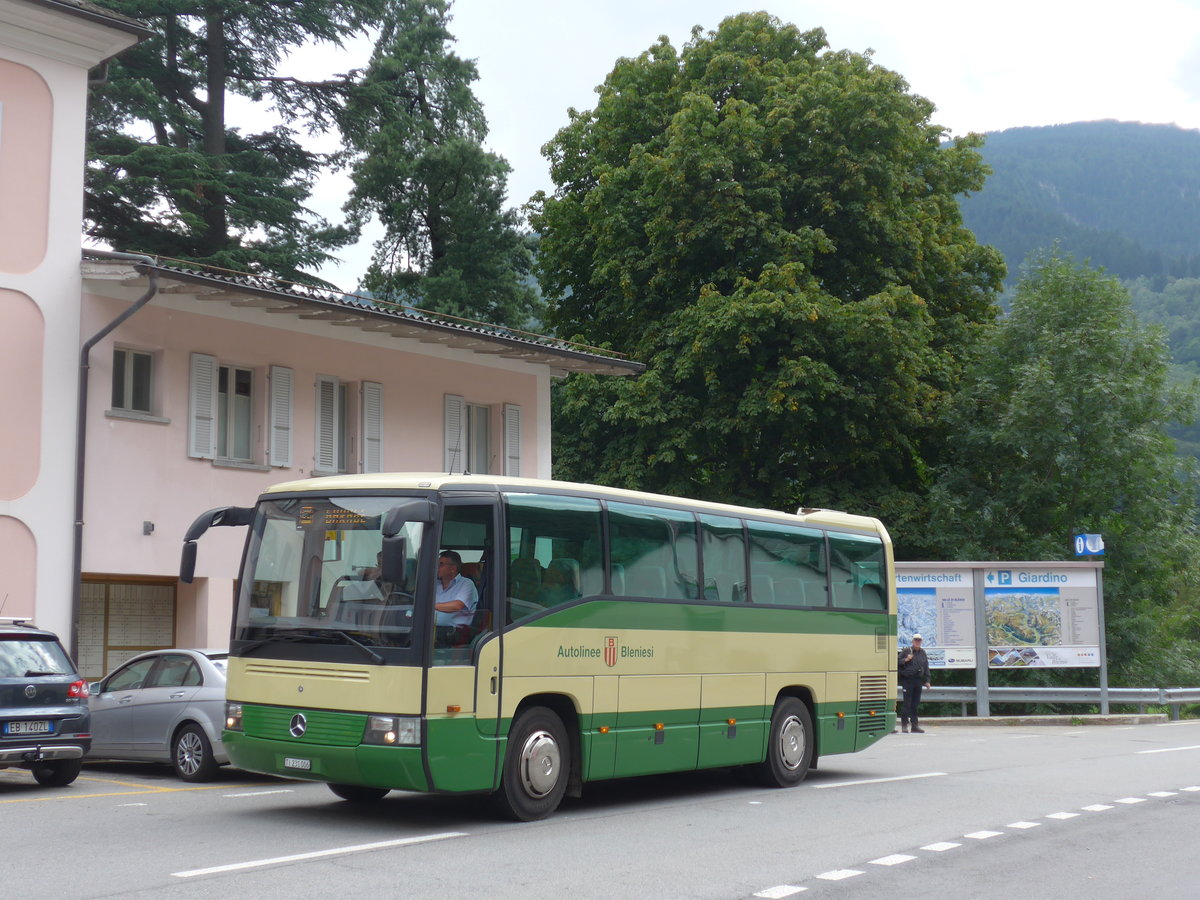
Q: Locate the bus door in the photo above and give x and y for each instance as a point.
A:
(463, 681)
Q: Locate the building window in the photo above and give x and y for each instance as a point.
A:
(131, 382)
(235, 413)
(468, 437)
(223, 415)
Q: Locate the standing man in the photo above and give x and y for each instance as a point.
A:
(913, 666)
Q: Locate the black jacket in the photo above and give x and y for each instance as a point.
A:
(916, 668)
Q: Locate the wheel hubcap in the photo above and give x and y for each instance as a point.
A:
(541, 762)
(189, 753)
(791, 743)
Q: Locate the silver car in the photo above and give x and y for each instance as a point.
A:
(163, 706)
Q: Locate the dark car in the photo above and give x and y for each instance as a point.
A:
(163, 706)
(45, 726)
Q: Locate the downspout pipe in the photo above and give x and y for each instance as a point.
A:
(149, 266)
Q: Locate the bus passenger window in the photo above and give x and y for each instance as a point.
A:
(723, 543)
(557, 552)
(657, 549)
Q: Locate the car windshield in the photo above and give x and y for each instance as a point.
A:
(313, 575)
(24, 656)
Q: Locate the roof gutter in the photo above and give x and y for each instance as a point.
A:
(145, 264)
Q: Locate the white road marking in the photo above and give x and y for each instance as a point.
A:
(983, 835)
(319, 854)
(879, 780)
(1171, 749)
(124, 805)
(839, 874)
(941, 846)
(1097, 807)
(260, 793)
(1131, 800)
(780, 891)
(1192, 788)
(1163, 793)
(1062, 815)
(1023, 825)
(894, 860)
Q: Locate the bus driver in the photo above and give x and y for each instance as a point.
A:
(456, 597)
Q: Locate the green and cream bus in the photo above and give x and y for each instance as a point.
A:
(616, 634)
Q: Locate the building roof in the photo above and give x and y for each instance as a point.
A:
(93, 12)
(368, 315)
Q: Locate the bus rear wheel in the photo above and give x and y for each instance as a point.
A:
(536, 766)
(789, 746)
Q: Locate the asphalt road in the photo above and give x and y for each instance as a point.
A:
(1038, 812)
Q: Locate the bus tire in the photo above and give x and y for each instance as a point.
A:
(358, 793)
(536, 766)
(789, 745)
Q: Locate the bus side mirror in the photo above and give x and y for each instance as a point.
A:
(187, 563)
(222, 515)
(395, 544)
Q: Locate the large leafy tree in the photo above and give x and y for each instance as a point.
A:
(772, 228)
(415, 129)
(169, 174)
(1060, 428)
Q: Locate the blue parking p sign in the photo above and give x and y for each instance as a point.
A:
(1089, 545)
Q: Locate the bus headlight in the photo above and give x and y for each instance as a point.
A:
(393, 731)
(233, 716)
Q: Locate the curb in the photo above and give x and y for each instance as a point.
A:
(1132, 719)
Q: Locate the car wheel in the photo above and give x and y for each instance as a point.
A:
(57, 774)
(358, 793)
(192, 755)
(535, 766)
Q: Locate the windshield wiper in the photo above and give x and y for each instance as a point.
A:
(281, 636)
(319, 636)
(375, 657)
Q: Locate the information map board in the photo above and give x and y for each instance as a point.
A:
(1033, 614)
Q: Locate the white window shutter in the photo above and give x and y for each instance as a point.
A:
(512, 439)
(372, 427)
(202, 407)
(456, 426)
(281, 417)
(325, 459)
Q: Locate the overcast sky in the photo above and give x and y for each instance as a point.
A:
(985, 66)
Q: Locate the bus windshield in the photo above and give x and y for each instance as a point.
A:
(313, 575)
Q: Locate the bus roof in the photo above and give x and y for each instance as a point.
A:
(440, 481)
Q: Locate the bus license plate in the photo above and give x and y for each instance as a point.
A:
(38, 726)
(291, 762)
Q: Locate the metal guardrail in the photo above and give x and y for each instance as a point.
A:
(1141, 697)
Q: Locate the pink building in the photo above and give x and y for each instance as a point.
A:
(201, 389)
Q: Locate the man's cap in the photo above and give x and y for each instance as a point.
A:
(916, 637)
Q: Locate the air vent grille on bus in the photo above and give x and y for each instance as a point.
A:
(881, 640)
(872, 698)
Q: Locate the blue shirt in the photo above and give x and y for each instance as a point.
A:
(460, 589)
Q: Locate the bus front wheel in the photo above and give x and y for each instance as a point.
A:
(790, 745)
(536, 765)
